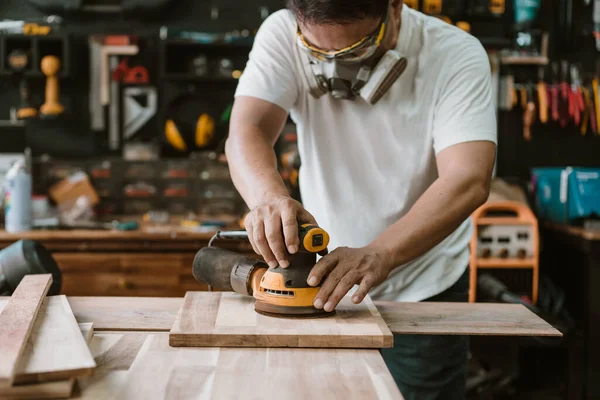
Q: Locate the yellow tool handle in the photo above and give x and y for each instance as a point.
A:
(464, 25)
(528, 120)
(432, 7)
(205, 130)
(543, 101)
(312, 238)
(586, 113)
(414, 4)
(497, 7)
(523, 95)
(510, 88)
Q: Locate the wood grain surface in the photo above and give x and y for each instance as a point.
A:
(16, 320)
(464, 319)
(158, 314)
(164, 372)
(213, 319)
(126, 313)
(47, 390)
(56, 349)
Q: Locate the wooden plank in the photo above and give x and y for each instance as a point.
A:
(56, 350)
(429, 318)
(159, 313)
(16, 320)
(47, 390)
(164, 372)
(212, 319)
(126, 313)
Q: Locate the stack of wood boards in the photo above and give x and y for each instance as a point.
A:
(42, 348)
(209, 319)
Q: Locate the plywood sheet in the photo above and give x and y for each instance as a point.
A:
(56, 349)
(428, 318)
(47, 390)
(228, 320)
(164, 372)
(16, 322)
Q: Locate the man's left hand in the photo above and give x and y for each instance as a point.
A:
(343, 268)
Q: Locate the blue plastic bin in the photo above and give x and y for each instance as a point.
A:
(566, 194)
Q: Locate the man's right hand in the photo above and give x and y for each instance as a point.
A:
(273, 228)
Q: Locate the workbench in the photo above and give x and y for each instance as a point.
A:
(571, 257)
(122, 326)
(130, 347)
(153, 261)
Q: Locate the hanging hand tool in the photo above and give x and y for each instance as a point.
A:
(99, 75)
(134, 76)
(523, 97)
(542, 96)
(278, 291)
(414, 4)
(587, 111)
(528, 116)
(497, 7)
(136, 114)
(563, 102)
(576, 103)
(52, 107)
(432, 7)
(512, 92)
(18, 60)
(554, 95)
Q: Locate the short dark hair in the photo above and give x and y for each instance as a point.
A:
(336, 11)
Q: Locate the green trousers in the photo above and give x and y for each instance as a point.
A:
(432, 367)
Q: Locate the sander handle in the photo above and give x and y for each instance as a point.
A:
(312, 238)
(228, 235)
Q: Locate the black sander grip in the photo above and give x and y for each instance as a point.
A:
(225, 270)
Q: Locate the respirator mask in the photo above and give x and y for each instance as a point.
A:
(353, 71)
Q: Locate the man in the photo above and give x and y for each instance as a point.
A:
(394, 179)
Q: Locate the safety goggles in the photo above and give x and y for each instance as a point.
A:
(359, 51)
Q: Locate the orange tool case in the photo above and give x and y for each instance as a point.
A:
(505, 236)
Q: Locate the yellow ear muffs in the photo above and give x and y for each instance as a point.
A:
(174, 137)
(205, 130)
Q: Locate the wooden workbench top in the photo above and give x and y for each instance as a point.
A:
(134, 360)
(151, 234)
(170, 237)
(158, 314)
(587, 234)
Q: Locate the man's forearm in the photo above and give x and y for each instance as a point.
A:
(439, 211)
(253, 165)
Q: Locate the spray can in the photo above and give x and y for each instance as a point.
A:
(17, 201)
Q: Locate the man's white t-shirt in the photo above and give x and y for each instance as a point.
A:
(364, 166)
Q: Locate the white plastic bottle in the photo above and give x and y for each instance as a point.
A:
(17, 204)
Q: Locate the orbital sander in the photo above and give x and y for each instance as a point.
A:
(279, 292)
